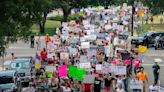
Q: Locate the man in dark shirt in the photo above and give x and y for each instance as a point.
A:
(97, 85)
(156, 69)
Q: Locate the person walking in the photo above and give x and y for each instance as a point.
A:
(32, 41)
(142, 75)
(156, 69)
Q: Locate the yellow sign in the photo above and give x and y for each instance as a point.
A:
(142, 49)
(37, 66)
(140, 12)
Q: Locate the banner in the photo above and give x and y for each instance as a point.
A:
(63, 72)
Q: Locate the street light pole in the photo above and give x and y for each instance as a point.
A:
(132, 23)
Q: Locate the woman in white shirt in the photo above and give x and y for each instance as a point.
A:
(120, 88)
(66, 88)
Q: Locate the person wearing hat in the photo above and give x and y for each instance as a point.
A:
(156, 69)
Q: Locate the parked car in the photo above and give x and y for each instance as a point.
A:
(139, 40)
(25, 67)
(9, 81)
(148, 39)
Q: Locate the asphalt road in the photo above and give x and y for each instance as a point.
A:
(22, 49)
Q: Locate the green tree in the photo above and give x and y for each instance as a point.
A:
(15, 21)
(40, 10)
(156, 6)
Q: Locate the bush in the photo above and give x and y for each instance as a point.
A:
(70, 17)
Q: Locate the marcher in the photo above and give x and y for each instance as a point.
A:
(13, 56)
(156, 69)
(32, 41)
(142, 75)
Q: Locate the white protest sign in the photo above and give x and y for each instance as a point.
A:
(136, 84)
(98, 67)
(85, 45)
(64, 24)
(85, 65)
(83, 58)
(92, 37)
(50, 69)
(82, 39)
(64, 55)
(91, 52)
(88, 79)
(50, 55)
(120, 70)
(73, 50)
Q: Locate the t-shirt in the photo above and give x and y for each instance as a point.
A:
(97, 85)
(107, 82)
(136, 63)
(66, 89)
(142, 76)
(120, 90)
(153, 88)
(43, 54)
(156, 68)
(87, 87)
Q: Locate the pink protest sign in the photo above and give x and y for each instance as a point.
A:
(63, 71)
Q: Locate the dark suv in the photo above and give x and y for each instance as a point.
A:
(148, 39)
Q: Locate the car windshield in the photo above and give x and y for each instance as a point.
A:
(20, 65)
(6, 80)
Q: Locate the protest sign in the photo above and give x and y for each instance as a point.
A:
(64, 24)
(120, 70)
(85, 45)
(136, 84)
(83, 59)
(91, 53)
(37, 65)
(49, 74)
(63, 72)
(89, 79)
(98, 67)
(64, 55)
(72, 71)
(80, 73)
(92, 37)
(50, 69)
(142, 49)
(85, 65)
(72, 50)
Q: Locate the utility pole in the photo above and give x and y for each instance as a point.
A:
(132, 23)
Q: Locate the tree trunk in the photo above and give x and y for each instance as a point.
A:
(66, 13)
(65, 16)
(42, 23)
(42, 27)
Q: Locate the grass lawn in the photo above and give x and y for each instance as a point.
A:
(50, 27)
(155, 26)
